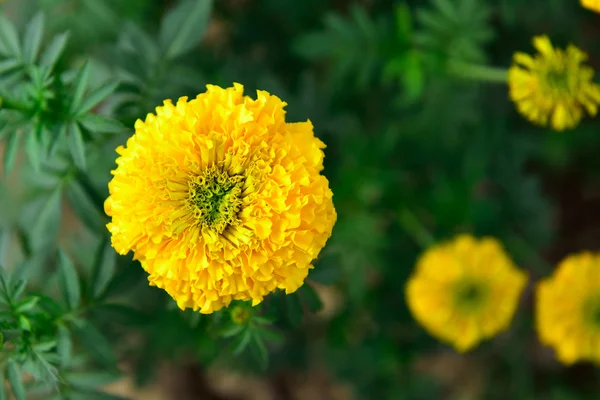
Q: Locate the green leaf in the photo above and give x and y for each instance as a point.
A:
(13, 373)
(96, 343)
(64, 345)
(34, 149)
(77, 146)
(310, 298)
(9, 37)
(403, 23)
(79, 86)
(54, 50)
(294, 309)
(33, 38)
(3, 395)
(45, 225)
(100, 124)
(96, 96)
(69, 281)
(9, 65)
(90, 380)
(260, 350)
(44, 347)
(231, 330)
(84, 207)
(183, 26)
(10, 151)
(243, 342)
(27, 304)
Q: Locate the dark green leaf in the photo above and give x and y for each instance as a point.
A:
(95, 97)
(69, 281)
(243, 342)
(260, 350)
(33, 38)
(90, 380)
(54, 50)
(9, 38)
(294, 309)
(84, 207)
(77, 146)
(310, 298)
(231, 330)
(182, 28)
(96, 343)
(13, 374)
(33, 149)
(79, 86)
(27, 304)
(45, 225)
(99, 124)
(64, 345)
(44, 347)
(10, 151)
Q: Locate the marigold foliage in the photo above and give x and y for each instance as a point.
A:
(593, 5)
(568, 308)
(465, 290)
(221, 199)
(554, 86)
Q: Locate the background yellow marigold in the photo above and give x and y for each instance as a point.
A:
(568, 309)
(465, 290)
(553, 87)
(593, 5)
(221, 199)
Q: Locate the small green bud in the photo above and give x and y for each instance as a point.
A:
(240, 315)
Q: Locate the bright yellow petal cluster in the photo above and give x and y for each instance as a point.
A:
(568, 309)
(465, 290)
(553, 87)
(593, 5)
(221, 199)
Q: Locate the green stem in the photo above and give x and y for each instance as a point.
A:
(415, 228)
(474, 72)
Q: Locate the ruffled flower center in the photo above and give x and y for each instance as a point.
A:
(469, 295)
(215, 198)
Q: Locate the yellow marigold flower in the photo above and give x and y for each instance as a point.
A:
(568, 309)
(465, 290)
(593, 5)
(553, 87)
(221, 199)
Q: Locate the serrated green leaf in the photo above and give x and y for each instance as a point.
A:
(77, 146)
(44, 347)
(243, 342)
(34, 149)
(69, 281)
(310, 298)
(183, 26)
(84, 207)
(95, 97)
(33, 38)
(80, 84)
(13, 373)
(96, 343)
(9, 37)
(260, 350)
(99, 124)
(103, 269)
(45, 225)
(54, 50)
(64, 345)
(90, 380)
(27, 304)
(10, 151)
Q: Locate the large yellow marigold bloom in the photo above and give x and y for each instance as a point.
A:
(553, 87)
(568, 309)
(593, 5)
(465, 290)
(221, 199)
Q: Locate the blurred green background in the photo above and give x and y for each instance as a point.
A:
(414, 151)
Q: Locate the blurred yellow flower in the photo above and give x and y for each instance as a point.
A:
(568, 309)
(593, 5)
(465, 290)
(221, 199)
(553, 87)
